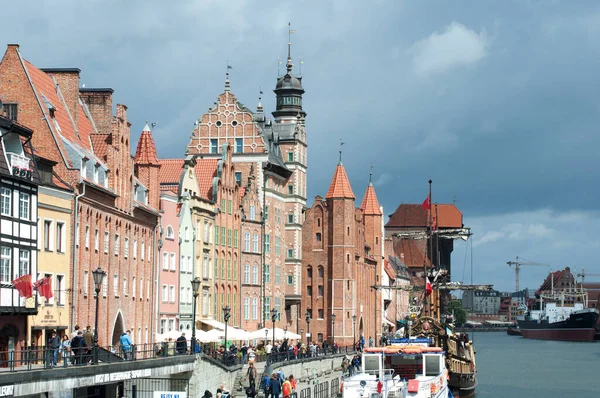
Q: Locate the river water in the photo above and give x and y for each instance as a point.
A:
(511, 366)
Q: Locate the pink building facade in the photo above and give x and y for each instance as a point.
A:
(168, 283)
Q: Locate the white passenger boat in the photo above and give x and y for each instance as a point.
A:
(412, 369)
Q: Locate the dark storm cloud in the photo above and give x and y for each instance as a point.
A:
(497, 102)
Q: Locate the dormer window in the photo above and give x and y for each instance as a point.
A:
(11, 111)
(83, 168)
(96, 173)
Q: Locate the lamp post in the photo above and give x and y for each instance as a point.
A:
(195, 289)
(274, 318)
(308, 319)
(332, 327)
(354, 330)
(266, 334)
(98, 275)
(226, 311)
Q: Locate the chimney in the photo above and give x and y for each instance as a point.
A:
(68, 83)
(99, 103)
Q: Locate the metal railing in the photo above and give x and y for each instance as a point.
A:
(277, 357)
(35, 358)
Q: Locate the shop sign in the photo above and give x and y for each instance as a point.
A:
(7, 391)
(119, 376)
(169, 394)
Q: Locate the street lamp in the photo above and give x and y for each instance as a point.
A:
(274, 318)
(266, 334)
(354, 329)
(226, 311)
(98, 275)
(332, 327)
(307, 328)
(195, 289)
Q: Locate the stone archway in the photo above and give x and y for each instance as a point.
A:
(118, 329)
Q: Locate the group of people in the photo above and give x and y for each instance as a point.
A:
(76, 350)
(351, 365)
(275, 386)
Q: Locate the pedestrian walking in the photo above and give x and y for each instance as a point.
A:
(126, 343)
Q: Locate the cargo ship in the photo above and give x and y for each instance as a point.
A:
(556, 321)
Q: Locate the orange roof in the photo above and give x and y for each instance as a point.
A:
(146, 150)
(389, 269)
(410, 253)
(206, 170)
(448, 214)
(170, 171)
(100, 145)
(340, 186)
(370, 204)
(412, 215)
(47, 92)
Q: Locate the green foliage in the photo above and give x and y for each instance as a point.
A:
(460, 315)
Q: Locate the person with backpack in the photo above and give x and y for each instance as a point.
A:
(293, 383)
(266, 385)
(287, 389)
(275, 385)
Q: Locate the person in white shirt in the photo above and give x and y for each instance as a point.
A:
(268, 348)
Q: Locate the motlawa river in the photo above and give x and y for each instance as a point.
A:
(511, 366)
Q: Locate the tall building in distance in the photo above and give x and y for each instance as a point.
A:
(342, 263)
(269, 158)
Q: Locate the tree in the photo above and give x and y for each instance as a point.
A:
(460, 315)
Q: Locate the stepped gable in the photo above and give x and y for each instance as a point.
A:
(370, 204)
(340, 186)
(146, 150)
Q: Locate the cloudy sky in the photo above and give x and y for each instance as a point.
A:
(498, 102)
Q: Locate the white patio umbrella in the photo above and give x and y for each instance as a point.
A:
(267, 333)
(232, 334)
(172, 334)
(206, 337)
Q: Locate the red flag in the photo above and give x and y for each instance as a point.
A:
(426, 205)
(24, 286)
(428, 288)
(44, 287)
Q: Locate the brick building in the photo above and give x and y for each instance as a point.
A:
(273, 154)
(342, 261)
(114, 214)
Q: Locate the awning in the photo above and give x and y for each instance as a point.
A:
(213, 323)
(292, 299)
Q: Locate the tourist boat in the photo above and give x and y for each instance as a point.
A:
(557, 321)
(513, 330)
(409, 369)
(459, 352)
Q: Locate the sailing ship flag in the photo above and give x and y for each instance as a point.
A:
(426, 205)
(24, 286)
(44, 287)
(428, 288)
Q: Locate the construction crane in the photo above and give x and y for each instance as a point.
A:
(584, 274)
(518, 265)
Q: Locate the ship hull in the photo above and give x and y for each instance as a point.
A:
(462, 384)
(579, 326)
(513, 332)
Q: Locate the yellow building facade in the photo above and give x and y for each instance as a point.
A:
(55, 207)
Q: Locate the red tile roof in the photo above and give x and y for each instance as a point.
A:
(170, 171)
(340, 186)
(206, 169)
(389, 269)
(412, 215)
(146, 150)
(370, 204)
(410, 253)
(100, 145)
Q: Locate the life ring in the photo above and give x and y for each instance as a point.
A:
(433, 388)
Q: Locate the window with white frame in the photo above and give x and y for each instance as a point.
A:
(246, 273)
(166, 261)
(126, 248)
(182, 294)
(171, 325)
(170, 234)
(87, 236)
(147, 289)
(189, 264)
(60, 236)
(124, 286)
(141, 287)
(205, 301)
(189, 295)
(163, 326)
(206, 232)
(24, 257)
(205, 266)
(77, 234)
(255, 274)
(116, 285)
(5, 265)
(50, 277)
(252, 213)
(165, 293)
(173, 261)
(247, 241)
(60, 289)
(247, 308)
(255, 243)
(48, 241)
(254, 308)
(86, 283)
(5, 205)
(172, 293)
(24, 205)
(142, 250)
(134, 249)
(104, 287)
(97, 239)
(182, 266)
(186, 233)
(133, 286)
(117, 244)
(106, 238)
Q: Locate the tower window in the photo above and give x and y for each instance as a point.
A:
(290, 156)
(218, 123)
(214, 145)
(239, 144)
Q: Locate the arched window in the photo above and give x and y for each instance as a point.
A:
(170, 234)
(321, 271)
(309, 272)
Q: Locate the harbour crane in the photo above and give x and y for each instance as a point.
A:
(584, 274)
(518, 263)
